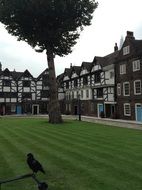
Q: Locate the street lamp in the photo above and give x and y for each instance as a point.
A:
(79, 108)
(41, 185)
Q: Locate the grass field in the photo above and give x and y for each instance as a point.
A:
(76, 155)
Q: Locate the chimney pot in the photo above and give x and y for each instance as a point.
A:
(115, 47)
(130, 35)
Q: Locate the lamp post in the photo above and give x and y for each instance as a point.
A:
(41, 185)
(79, 108)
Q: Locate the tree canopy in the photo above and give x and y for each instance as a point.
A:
(41, 23)
(51, 25)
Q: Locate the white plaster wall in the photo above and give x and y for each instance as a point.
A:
(26, 89)
(6, 89)
(110, 97)
(44, 98)
(7, 99)
(13, 100)
(61, 96)
(66, 78)
(39, 82)
(74, 75)
(39, 87)
(33, 96)
(1, 99)
(107, 76)
(14, 89)
(96, 67)
(83, 72)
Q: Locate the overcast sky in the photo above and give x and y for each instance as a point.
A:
(111, 20)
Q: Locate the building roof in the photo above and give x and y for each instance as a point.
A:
(16, 75)
(42, 74)
(87, 65)
(109, 59)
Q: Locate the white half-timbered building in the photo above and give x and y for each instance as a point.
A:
(94, 84)
(8, 92)
(103, 84)
(21, 93)
(42, 92)
(26, 89)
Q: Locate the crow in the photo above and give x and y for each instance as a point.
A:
(34, 164)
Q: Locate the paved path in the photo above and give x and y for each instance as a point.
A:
(106, 121)
(112, 122)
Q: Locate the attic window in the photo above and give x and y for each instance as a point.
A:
(126, 50)
(6, 82)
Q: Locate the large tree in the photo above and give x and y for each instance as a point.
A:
(50, 25)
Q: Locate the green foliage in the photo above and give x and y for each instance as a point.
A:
(47, 23)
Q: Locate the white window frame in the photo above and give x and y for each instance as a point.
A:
(124, 89)
(136, 65)
(126, 50)
(139, 93)
(123, 69)
(119, 89)
(125, 113)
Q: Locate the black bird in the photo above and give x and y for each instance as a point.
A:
(34, 164)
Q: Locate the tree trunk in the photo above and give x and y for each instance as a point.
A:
(54, 107)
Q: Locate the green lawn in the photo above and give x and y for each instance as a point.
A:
(76, 155)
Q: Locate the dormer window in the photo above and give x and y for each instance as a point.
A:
(126, 50)
(6, 83)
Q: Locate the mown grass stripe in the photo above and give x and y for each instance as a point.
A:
(102, 149)
(73, 164)
(76, 152)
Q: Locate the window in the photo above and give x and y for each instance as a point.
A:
(26, 95)
(98, 77)
(26, 83)
(127, 109)
(137, 87)
(126, 50)
(136, 65)
(72, 95)
(6, 83)
(100, 93)
(45, 94)
(13, 108)
(87, 93)
(85, 81)
(123, 69)
(45, 80)
(8, 95)
(75, 82)
(67, 84)
(81, 93)
(78, 81)
(118, 89)
(111, 74)
(126, 89)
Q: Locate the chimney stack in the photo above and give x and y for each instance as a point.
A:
(115, 47)
(130, 35)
